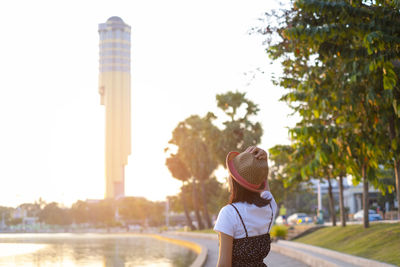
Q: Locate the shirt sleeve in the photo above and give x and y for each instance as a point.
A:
(225, 221)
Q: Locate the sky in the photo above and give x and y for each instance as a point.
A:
(183, 53)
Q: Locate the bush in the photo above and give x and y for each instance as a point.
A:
(279, 232)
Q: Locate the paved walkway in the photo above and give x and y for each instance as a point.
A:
(273, 259)
(285, 253)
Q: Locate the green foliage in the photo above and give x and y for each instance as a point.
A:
(204, 231)
(217, 195)
(193, 137)
(6, 214)
(14, 221)
(340, 63)
(53, 214)
(239, 131)
(279, 231)
(102, 212)
(134, 208)
(80, 212)
(231, 102)
(202, 146)
(177, 168)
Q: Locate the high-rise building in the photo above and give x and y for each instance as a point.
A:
(115, 95)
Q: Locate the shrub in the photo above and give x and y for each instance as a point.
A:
(279, 231)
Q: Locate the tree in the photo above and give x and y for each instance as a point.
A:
(134, 209)
(54, 215)
(204, 163)
(286, 182)
(284, 173)
(217, 194)
(202, 146)
(79, 212)
(180, 172)
(366, 35)
(156, 211)
(6, 215)
(239, 131)
(102, 212)
(337, 59)
(184, 138)
(193, 136)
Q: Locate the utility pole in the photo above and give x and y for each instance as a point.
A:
(320, 215)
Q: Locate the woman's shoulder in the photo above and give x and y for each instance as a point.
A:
(228, 208)
(226, 220)
(230, 211)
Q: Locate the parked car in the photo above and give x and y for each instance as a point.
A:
(372, 215)
(299, 218)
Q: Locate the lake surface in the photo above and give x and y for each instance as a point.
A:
(120, 250)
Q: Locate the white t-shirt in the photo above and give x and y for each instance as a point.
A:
(256, 219)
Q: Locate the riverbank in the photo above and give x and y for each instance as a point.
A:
(379, 242)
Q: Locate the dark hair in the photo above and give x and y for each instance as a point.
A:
(241, 194)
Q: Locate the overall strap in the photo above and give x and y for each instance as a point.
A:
(244, 226)
(272, 217)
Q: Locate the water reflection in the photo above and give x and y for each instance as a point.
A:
(11, 249)
(91, 250)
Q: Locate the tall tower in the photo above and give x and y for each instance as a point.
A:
(115, 95)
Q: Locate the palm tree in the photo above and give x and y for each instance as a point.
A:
(202, 167)
(197, 151)
(182, 137)
(180, 172)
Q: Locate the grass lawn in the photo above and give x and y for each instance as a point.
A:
(204, 231)
(380, 241)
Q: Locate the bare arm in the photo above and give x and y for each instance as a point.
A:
(225, 250)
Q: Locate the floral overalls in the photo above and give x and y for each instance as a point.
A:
(251, 251)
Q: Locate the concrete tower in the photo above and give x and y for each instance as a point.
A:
(115, 95)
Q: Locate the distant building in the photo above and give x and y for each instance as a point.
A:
(19, 213)
(26, 218)
(352, 195)
(115, 95)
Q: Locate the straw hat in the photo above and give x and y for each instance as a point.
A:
(249, 172)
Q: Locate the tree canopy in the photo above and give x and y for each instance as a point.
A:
(340, 69)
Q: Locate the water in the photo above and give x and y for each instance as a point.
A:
(120, 250)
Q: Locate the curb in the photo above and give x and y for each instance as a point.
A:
(283, 245)
(308, 259)
(196, 235)
(200, 250)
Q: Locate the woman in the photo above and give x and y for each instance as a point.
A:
(244, 224)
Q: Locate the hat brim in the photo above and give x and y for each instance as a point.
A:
(238, 178)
